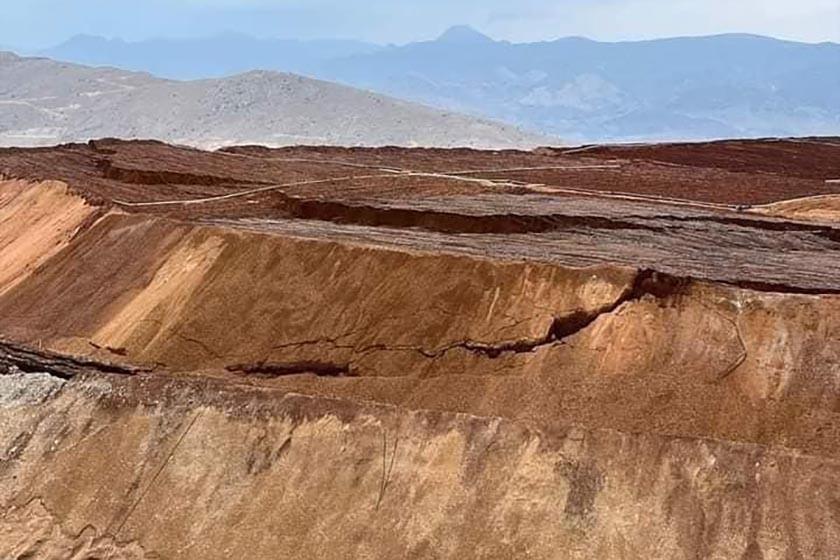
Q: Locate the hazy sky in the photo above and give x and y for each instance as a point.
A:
(44, 22)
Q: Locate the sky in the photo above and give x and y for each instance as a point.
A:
(41, 23)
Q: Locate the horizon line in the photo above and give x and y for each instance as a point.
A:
(263, 38)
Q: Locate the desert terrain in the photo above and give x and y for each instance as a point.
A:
(44, 102)
(620, 352)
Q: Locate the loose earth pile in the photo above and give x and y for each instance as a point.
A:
(604, 352)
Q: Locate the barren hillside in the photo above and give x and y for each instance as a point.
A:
(43, 102)
(419, 353)
(697, 87)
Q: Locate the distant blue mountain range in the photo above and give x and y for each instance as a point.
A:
(210, 57)
(576, 88)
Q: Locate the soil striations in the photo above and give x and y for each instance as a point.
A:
(614, 352)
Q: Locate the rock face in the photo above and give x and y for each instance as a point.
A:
(338, 353)
(44, 102)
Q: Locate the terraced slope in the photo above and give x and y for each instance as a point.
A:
(418, 353)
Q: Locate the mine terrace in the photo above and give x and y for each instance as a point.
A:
(485, 353)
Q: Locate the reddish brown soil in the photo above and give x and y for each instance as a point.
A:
(369, 269)
(807, 158)
(736, 173)
(618, 205)
(650, 346)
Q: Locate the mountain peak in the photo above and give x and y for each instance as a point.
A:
(463, 34)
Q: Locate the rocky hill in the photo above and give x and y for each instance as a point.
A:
(43, 102)
(581, 90)
(667, 89)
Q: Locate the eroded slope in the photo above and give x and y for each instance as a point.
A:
(291, 475)
(492, 367)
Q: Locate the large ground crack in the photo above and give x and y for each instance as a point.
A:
(646, 283)
(137, 176)
(280, 369)
(15, 356)
(442, 221)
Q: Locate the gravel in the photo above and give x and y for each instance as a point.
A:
(18, 388)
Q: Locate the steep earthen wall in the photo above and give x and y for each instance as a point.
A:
(36, 222)
(350, 396)
(604, 346)
(162, 468)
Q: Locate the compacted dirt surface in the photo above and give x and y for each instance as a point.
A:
(597, 352)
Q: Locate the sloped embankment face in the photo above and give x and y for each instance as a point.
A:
(37, 220)
(202, 297)
(606, 347)
(143, 463)
(824, 208)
